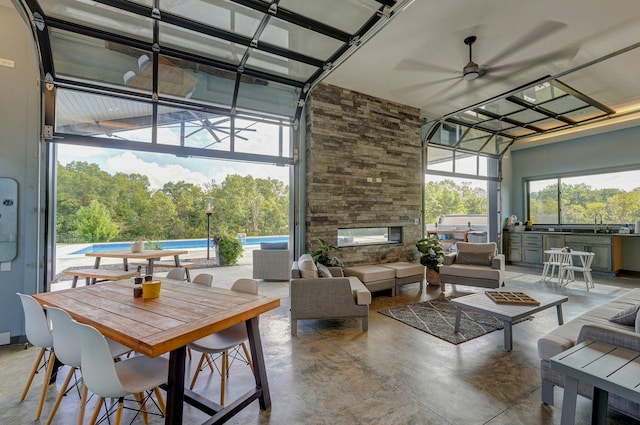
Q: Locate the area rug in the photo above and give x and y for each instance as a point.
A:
(438, 317)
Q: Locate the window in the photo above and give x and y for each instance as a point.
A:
(577, 199)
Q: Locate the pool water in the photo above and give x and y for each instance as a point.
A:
(178, 244)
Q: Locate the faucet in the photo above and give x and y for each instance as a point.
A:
(595, 222)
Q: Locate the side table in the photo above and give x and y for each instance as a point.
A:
(607, 367)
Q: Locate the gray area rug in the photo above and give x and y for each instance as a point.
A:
(438, 317)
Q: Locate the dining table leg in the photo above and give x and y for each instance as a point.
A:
(259, 369)
(175, 387)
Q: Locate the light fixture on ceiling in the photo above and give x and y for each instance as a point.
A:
(471, 71)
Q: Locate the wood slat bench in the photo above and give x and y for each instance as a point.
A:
(92, 275)
(167, 265)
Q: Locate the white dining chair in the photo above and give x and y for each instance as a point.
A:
(143, 62)
(204, 279)
(553, 263)
(230, 339)
(586, 259)
(176, 274)
(139, 375)
(39, 335)
(128, 76)
(67, 348)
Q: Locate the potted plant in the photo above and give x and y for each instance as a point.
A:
(137, 245)
(432, 257)
(321, 254)
(229, 249)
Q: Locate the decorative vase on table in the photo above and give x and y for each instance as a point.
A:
(137, 246)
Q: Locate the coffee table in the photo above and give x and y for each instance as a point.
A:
(507, 313)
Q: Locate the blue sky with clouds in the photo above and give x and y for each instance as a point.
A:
(163, 168)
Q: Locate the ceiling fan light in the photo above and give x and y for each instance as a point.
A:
(471, 75)
(471, 71)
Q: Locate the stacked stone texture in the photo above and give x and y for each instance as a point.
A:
(352, 137)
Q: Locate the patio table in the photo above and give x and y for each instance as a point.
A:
(148, 254)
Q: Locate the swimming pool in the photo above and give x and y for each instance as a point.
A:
(177, 244)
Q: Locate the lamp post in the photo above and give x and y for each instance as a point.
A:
(208, 209)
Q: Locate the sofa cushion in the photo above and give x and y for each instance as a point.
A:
(323, 271)
(404, 269)
(370, 273)
(274, 245)
(564, 337)
(470, 271)
(478, 248)
(307, 266)
(626, 316)
(474, 258)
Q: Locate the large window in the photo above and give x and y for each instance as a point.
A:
(457, 184)
(577, 199)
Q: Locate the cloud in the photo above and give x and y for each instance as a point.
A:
(158, 174)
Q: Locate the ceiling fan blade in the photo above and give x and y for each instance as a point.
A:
(413, 65)
(438, 95)
(566, 53)
(426, 84)
(540, 32)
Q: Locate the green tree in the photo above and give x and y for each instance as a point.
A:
(94, 222)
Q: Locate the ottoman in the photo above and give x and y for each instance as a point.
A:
(407, 273)
(375, 278)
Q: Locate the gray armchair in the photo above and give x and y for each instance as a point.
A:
(327, 297)
(271, 262)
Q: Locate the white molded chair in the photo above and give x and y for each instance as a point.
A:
(108, 379)
(204, 279)
(39, 335)
(554, 261)
(585, 268)
(67, 348)
(128, 76)
(143, 62)
(176, 274)
(222, 342)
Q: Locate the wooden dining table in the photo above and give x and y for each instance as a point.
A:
(182, 314)
(148, 254)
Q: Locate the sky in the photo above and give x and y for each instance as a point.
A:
(163, 168)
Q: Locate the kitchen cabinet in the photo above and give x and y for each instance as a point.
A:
(552, 241)
(607, 250)
(513, 245)
(532, 248)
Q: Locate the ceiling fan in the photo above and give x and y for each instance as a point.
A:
(495, 68)
(472, 70)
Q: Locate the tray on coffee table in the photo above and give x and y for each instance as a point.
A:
(509, 297)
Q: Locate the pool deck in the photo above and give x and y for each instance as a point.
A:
(223, 276)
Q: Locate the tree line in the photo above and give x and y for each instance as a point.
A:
(95, 206)
(447, 197)
(579, 203)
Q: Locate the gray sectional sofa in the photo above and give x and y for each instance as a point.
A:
(591, 325)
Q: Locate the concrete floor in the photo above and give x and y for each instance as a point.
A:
(332, 373)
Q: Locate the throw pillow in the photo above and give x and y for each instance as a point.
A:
(638, 322)
(307, 266)
(323, 271)
(626, 317)
(474, 258)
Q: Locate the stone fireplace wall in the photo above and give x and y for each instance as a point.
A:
(363, 169)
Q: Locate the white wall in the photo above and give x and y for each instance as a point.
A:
(619, 148)
(19, 159)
